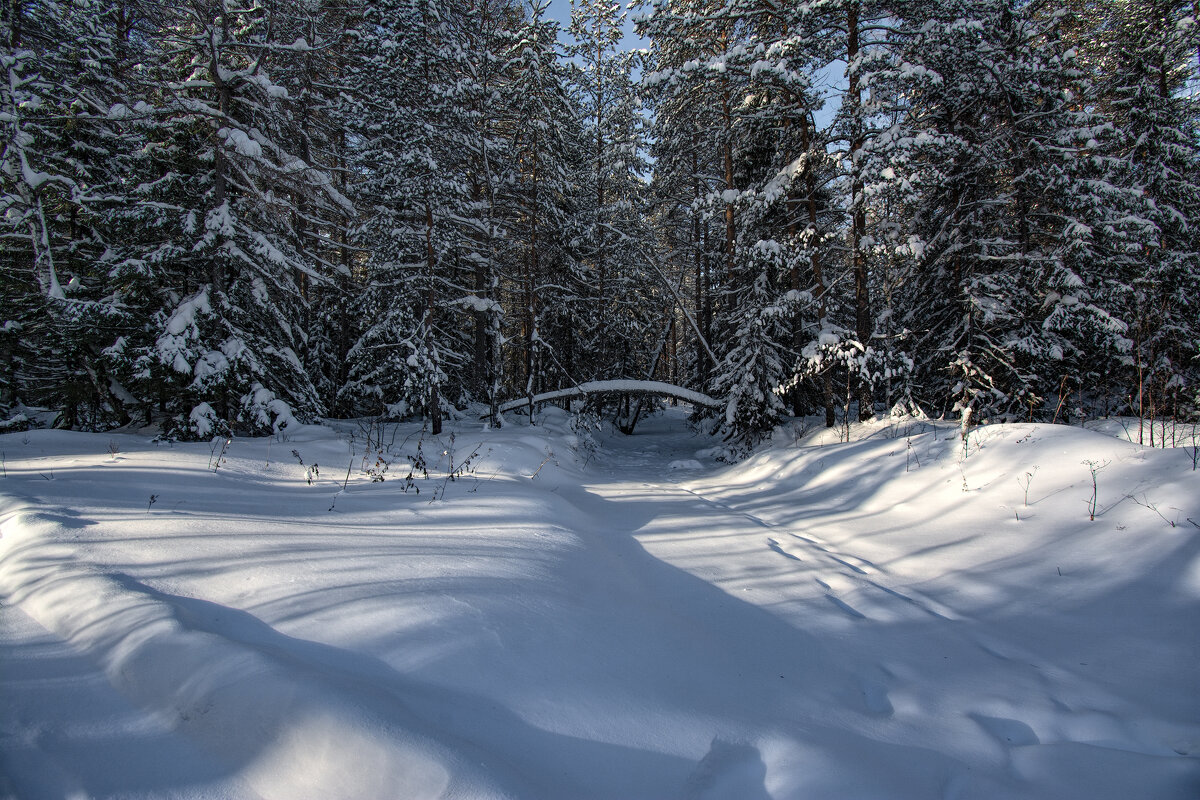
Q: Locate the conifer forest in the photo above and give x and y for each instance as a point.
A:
(233, 215)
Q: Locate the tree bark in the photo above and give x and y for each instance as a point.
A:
(858, 214)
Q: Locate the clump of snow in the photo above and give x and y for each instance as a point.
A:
(265, 410)
(240, 141)
(18, 421)
(263, 247)
(685, 463)
(219, 221)
(211, 368)
(176, 345)
(203, 420)
(479, 304)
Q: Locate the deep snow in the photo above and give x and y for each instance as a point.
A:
(879, 618)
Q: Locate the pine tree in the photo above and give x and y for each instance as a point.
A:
(221, 349)
(613, 311)
(1148, 50)
(990, 162)
(407, 191)
(63, 172)
(313, 50)
(544, 143)
(483, 33)
(688, 163)
(756, 365)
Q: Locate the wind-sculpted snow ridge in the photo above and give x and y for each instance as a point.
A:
(561, 616)
(300, 719)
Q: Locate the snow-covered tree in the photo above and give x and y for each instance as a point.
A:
(402, 127)
(545, 144)
(1147, 54)
(224, 277)
(757, 364)
(614, 308)
(1005, 215)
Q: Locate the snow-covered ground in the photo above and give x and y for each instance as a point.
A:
(890, 617)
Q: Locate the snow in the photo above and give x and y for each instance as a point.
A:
(203, 419)
(240, 140)
(32, 177)
(220, 221)
(267, 409)
(479, 304)
(183, 319)
(895, 616)
(685, 463)
(264, 248)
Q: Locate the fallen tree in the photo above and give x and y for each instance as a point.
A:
(626, 388)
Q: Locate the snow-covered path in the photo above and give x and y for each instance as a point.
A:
(872, 619)
(874, 687)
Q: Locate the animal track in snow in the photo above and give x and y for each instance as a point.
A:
(875, 697)
(925, 604)
(836, 584)
(778, 548)
(832, 587)
(848, 561)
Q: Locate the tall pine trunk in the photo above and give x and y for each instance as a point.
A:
(858, 215)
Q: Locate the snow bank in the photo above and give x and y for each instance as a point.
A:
(303, 721)
(895, 616)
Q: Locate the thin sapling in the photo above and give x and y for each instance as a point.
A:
(310, 473)
(1024, 482)
(465, 467)
(549, 457)
(1094, 467)
(216, 458)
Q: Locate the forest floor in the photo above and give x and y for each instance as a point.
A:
(589, 615)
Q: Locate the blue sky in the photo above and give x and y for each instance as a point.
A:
(561, 11)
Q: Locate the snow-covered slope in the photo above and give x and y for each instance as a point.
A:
(891, 617)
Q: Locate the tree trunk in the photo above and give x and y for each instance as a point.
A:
(702, 365)
(818, 272)
(858, 214)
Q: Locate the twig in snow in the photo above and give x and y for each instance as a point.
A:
(1147, 504)
(214, 458)
(549, 457)
(464, 467)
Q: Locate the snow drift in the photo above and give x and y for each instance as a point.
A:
(897, 616)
